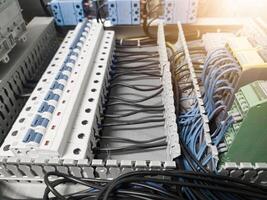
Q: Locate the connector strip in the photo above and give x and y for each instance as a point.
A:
(85, 127)
(171, 130)
(34, 170)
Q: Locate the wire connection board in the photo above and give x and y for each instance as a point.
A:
(142, 87)
(19, 76)
(12, 27)
(223, 72)
(248, 56)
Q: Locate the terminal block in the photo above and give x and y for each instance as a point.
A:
(67, 12)
(252, 64)
(124, 12)
(184, 11)
(246, 139)
(249, 65)
(12, 27)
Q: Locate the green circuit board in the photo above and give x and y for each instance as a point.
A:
(246, 140)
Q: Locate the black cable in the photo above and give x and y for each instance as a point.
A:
(132, 122)
(127, 140)
(112, 98)
(150, 196)
(140, 77)
(134, 147)
(143, 66)
(155, 69)
(146, 184)
(45, 8)
(136, 52)
(134, 113)
(135, 55)
(143, 59)
(150, 70)
(99, 16)
(124, 178)
(157, 190)
(124, 43)
(109, 104)
(136, 87)
(67, 178)
(136, 73)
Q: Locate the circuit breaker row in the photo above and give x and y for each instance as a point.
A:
(123, 12)
(46, 123)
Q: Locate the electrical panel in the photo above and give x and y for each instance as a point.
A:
(105, 106)
(249, 129)
(12, 27)
(234, 102)
(67, 12)
(184, 11)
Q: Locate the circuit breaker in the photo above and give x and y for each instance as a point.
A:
(67, 12)
(124, 12)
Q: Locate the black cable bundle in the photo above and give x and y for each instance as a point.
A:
(133, 102)
(45, 7)
(152, 185)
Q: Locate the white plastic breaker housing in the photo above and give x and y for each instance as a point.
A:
(45, 125)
